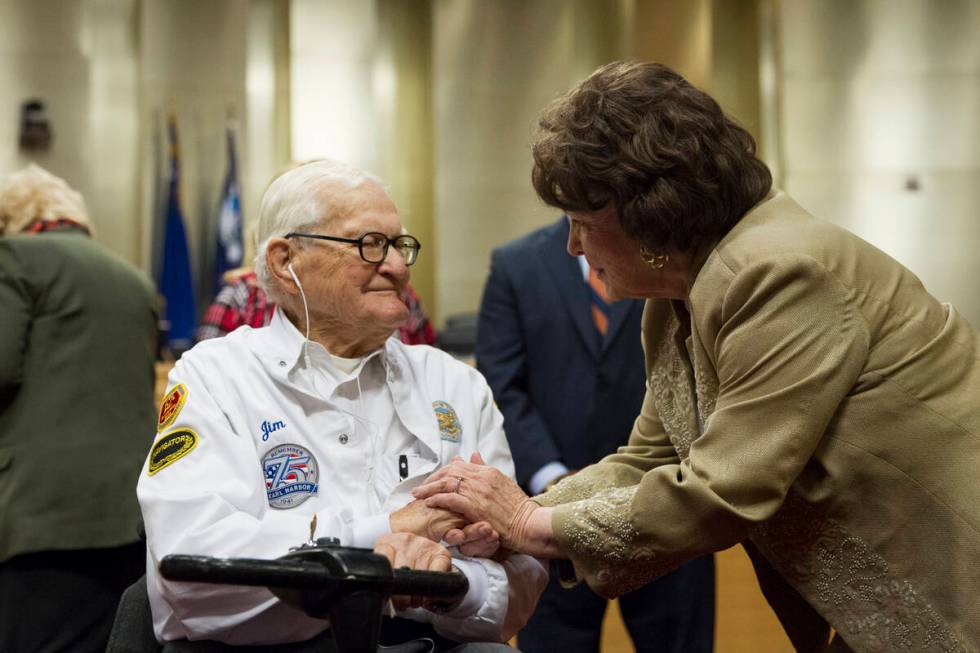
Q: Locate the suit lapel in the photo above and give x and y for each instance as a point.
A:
(575, 294)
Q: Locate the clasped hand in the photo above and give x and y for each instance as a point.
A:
(470, 505)
(484, 497)
(477, 540)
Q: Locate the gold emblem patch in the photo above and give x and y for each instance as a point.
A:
(449, 426)
(170, 448)
(171, 405)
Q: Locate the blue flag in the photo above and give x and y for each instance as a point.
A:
(229, 250)
(176, 282)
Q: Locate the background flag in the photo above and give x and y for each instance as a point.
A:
(176, 283)
(229, 250)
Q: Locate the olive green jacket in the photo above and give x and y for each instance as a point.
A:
(818, 406)
(77, 345)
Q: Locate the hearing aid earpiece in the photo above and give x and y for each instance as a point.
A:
(293, 275)
(306, 311)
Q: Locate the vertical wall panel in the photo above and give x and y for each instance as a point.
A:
(193, 65)
(80, 58)
(879, 128)
(403, 92)
(496, 66)
(265, 140)
(332, 46)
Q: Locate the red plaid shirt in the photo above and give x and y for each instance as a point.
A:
(241, 301)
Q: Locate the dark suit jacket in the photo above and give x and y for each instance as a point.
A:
(565, 395)
(77, 343)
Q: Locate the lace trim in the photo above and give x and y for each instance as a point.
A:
(580, 485)
(668, 383)
(706, 384)
(600, 533)
(850, 584)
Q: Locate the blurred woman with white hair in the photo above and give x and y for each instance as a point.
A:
(78, 329)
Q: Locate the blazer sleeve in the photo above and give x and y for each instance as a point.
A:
(501, 355)
(789, 346)
(15, 320)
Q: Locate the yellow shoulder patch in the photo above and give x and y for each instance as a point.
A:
(170, 448)
(171, 405)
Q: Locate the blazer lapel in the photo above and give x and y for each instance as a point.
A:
(567, 273)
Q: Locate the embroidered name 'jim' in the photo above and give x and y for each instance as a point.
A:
(291, 475)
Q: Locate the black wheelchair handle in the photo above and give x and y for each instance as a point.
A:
(307, 574)
(245, 571)
(439, 584)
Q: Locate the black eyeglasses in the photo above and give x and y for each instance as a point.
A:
(373, 246)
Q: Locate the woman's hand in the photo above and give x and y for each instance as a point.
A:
(479, 492)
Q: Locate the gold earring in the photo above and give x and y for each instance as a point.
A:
(655, 261)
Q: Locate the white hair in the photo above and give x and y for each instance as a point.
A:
(34, 194)
(296, 200)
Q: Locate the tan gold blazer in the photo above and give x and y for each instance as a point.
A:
(818, 406)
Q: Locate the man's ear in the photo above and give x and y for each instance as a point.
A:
(278, 256)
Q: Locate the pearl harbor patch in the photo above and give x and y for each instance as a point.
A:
(449, 427)
(170, 448)
(171, 405)
(291, 475)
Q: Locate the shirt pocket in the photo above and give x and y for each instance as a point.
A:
(401, 473)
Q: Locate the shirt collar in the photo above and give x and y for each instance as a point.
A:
(284, 346)
(281, 347)
(284, 341)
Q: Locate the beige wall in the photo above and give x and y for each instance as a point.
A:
(496, 66)
(877, 123)
(266, 135)
(111, 70)
(80, 58)
(192, 65)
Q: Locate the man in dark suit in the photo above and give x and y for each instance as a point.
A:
(566, 369)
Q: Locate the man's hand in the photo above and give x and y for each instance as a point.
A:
(421, 520)
(414, 552)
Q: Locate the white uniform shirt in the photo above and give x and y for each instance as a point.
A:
(254, 442)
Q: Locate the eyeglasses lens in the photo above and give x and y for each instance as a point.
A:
(408, 247)
(373, 247)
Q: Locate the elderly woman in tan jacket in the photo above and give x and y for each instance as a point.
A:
(806, 396)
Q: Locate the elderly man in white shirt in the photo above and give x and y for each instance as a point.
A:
(323, 421)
